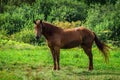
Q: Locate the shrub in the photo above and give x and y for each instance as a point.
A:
(11, 23)
(62, 10)
(9, 44)
(3, 35)
(104, 20)
(66, 24)
(27, 36)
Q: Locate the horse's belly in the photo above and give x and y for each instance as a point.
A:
(71, 44)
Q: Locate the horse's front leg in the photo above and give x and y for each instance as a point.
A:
(57, 57)
(57, 52)
(54, 58)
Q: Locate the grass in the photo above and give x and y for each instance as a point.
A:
(35, 63)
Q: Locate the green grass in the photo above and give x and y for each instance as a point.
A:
(35, 63)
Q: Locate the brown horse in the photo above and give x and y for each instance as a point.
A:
(58, 38)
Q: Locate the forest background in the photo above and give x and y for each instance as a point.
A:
(101, 16)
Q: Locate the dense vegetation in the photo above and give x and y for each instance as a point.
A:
(102, 16)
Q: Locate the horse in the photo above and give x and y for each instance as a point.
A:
(58, 38)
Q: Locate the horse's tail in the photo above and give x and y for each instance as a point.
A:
(102, 47)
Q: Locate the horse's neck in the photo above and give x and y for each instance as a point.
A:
(49, 29)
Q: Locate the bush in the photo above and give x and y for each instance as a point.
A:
(66, 24)
(62, 10)
(17, 18)
(27, 36)
(104, 20)
(3, 35)
(9, 44)
(11, 23)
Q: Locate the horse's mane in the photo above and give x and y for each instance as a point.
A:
(51, 25)
(50, 28)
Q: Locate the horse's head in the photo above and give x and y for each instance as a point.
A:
(38, 28)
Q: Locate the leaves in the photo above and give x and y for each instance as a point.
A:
(99, 16)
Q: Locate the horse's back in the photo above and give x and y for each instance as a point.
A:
(71, 34)
(71, 38)
(79, 31)
(77, 36)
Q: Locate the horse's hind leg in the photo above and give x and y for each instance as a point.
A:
(87, 50)
(58, 59)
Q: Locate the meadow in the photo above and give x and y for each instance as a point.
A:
(22, 58)
(19, 61)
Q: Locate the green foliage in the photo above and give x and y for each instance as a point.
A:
(11, 23)
(72, 10)
(68, 10)
(16, 2)
(18, 18)
(66, 24)
(100, 16)
(104, 20)
(9, 44)
(25, 35)
(100, 1)
(3, 35)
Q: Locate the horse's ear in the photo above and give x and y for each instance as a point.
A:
(34, 22)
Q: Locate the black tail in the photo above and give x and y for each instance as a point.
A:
(102, 47)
